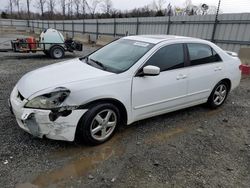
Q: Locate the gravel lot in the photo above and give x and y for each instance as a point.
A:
(195, 147)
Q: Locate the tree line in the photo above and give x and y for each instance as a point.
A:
(89, 9)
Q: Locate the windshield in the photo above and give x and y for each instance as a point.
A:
(119, 56)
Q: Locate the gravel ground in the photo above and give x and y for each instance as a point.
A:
(195, 147)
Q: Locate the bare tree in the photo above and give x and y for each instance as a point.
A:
(83, 7)
(107, 6)
(28, 2)
(51, 7)
(63, 7)
(169, 11)
(188, 3)
(70, 8)
(10, 6)
(158, 5)
(41, 6)
(178, 11)
(92, 6)
(77, 7)
(212, 10)
(189, 8)
(17, 3)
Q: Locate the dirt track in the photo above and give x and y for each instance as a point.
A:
(195, 147)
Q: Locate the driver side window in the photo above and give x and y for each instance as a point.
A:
(168, 58)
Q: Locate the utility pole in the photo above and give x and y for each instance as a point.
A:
(218, 9)
(216, 21)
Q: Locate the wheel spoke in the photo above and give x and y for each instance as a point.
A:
(221, 88)
(221, 98)
(108, 116)
(99, 119)
(111, 124)
(216, 99)
(96, 130)
(217, 93)
(103, 132)
(223, 93)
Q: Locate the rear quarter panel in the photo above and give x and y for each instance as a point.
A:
(231, 66)
(233, 71)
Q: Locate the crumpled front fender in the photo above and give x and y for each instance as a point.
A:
(38, 123)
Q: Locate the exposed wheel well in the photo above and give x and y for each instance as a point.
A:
(117, 103)
(228, 82)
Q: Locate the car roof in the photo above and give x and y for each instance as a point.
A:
(155, 39)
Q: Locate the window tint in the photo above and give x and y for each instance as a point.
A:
(169, 57)
(202, 54)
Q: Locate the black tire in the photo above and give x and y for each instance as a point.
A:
(46, 53)
(57, 52)
(85, 125)
(212, 103)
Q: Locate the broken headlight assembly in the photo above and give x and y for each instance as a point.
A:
(49, 101)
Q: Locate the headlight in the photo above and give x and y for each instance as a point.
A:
(49, 101)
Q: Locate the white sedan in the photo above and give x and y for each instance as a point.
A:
(130, 79)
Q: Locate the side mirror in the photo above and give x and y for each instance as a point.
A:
(150, 70)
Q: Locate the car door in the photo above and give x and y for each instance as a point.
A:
(153, 95)
(205, 70)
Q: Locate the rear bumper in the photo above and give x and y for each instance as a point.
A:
(38, 123)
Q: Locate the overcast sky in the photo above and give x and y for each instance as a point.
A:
(227, 6)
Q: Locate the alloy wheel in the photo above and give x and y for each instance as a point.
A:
(103, 124)
(220, 94)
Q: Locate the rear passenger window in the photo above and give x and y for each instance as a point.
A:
(202, 54)
(168, 58)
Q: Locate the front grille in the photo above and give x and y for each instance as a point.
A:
(19, 95)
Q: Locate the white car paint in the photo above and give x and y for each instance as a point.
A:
(142, 97)
(58, 74)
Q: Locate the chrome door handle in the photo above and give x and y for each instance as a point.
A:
(218, 69)
(181, 77)
(184, 77)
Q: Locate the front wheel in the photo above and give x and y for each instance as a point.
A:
(98, 124)
(218, 95)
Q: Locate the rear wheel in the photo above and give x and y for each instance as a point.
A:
(57, 52)
(218, 95)
(99, 124)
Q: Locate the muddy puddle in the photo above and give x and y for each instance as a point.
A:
(88, 158)
(83, 160)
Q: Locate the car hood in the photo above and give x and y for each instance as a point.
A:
(57, 75)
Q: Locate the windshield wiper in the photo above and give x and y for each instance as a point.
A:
(98, 63)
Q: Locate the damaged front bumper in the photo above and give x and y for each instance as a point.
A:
(39, 122)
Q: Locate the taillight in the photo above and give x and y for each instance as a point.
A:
(245, 69)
